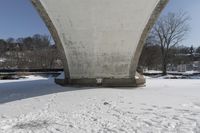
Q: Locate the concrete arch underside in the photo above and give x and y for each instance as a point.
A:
(100, 41)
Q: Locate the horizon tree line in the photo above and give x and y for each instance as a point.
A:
(34, 52)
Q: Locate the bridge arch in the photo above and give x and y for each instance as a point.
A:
(100, 41)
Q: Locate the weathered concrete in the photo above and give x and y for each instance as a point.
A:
(100, 40)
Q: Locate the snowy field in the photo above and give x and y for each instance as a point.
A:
(37, 105)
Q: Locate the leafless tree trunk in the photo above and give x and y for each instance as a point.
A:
(169, 31)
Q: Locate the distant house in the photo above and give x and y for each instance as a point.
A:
(182, 68)
(194, 66)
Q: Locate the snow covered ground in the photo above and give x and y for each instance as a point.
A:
(37, 105)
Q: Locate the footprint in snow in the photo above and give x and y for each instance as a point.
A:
(197, 105)
(2, 116)
(106, 103)
(154, 106)
(167, 107)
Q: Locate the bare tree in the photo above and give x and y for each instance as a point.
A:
(169, 31)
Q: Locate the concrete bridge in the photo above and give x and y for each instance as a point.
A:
(100, 40)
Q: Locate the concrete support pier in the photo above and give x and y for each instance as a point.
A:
(100, 40)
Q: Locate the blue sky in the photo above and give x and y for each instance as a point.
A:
(192, 7)
(18, 18)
